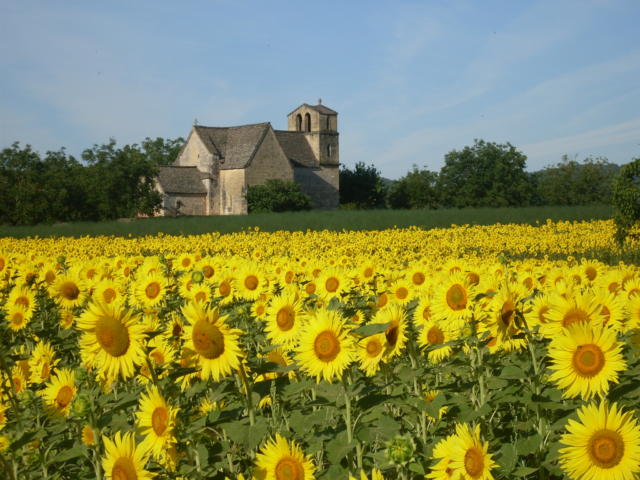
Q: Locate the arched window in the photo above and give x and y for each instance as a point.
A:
(329, 151)
(328, 123)
(299, 122)
(307, 122)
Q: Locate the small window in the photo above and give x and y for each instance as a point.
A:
(329, 151)
(307, 122)
(299, 122)
(328, 123)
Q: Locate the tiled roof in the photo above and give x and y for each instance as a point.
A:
(175, 179)
(235, 145)
(296, 147)
(318, 108)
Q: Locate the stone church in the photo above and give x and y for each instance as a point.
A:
(217, 164)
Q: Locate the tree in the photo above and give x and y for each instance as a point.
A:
(162, 151)
(626, 199)
(277, 196)
(486, 174)
(573, 183)
(121, 181)
(417, 189)
(362, 187)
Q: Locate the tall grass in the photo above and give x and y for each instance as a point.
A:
(312, 220)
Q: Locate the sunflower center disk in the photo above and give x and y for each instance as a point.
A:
(457, 297)
(108, 295)
(435, 336)
(159, 420)
(473, 462)
(64, 396)
(251, 282)
(326, 346)
(606, 448)
(70, 290)
(588, 360)
(392, 333)
(606, 313)
(507, 312)
(112, 336)
(123, 469)
(152, 290)
(224, 289)
(374, 347)
(285, 318)
(574, 316)
(332, 284)
(418, 278)
(24, 301)
(200, 297)
(208, 271)
(402, 293)
(208, 339)
(289, 469)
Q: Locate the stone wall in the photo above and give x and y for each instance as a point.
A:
(321, 184)
(269, 162)
(196, 154)
(232, 192)
(191, 204)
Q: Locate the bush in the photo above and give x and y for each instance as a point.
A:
(626, 199)
(277, 196)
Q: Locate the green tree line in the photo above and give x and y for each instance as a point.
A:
(485, 174)
(110, 182)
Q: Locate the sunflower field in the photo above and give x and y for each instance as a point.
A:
(472, 352)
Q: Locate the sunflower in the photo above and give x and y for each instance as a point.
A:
(251, 281)
(42, 360)
(88, 435)
(538, 311)
(160, 355)
(604, 444)
(69, 290)
(59, 393)
(124, 460)
(395, 335)
(214, 344)
(585, 359)
(428, 396)
(375, 475)
(325, 349)
(225, 289)
(285, 317)
(108, 290)
(24, 297)
(565, 311)
(469, 455)
(422, 313)
(18, 379)
(401, 292)
(432, 336)
(370, 353)
(149, 290)
(17, 317)
(452, 299)
(280, 459)
(502, 313)
(67, 318)
(613, 310)
(331, 283)
(442, 453)
(184, 262)
(156, 421)
(111, 339)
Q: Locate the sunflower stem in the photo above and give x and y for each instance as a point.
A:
(152, 371)
(247, 389)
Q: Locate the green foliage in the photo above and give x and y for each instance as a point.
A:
(626, 199)
(113, 182)
(573, 183)
(417, 189)
(362, 186)
(484, 175)
(277, 196)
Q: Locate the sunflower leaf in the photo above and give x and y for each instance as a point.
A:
(371, 329)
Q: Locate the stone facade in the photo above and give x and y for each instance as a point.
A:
(217, 164)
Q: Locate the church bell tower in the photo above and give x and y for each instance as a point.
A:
(320, 127)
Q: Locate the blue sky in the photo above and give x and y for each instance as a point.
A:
(410, 80)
